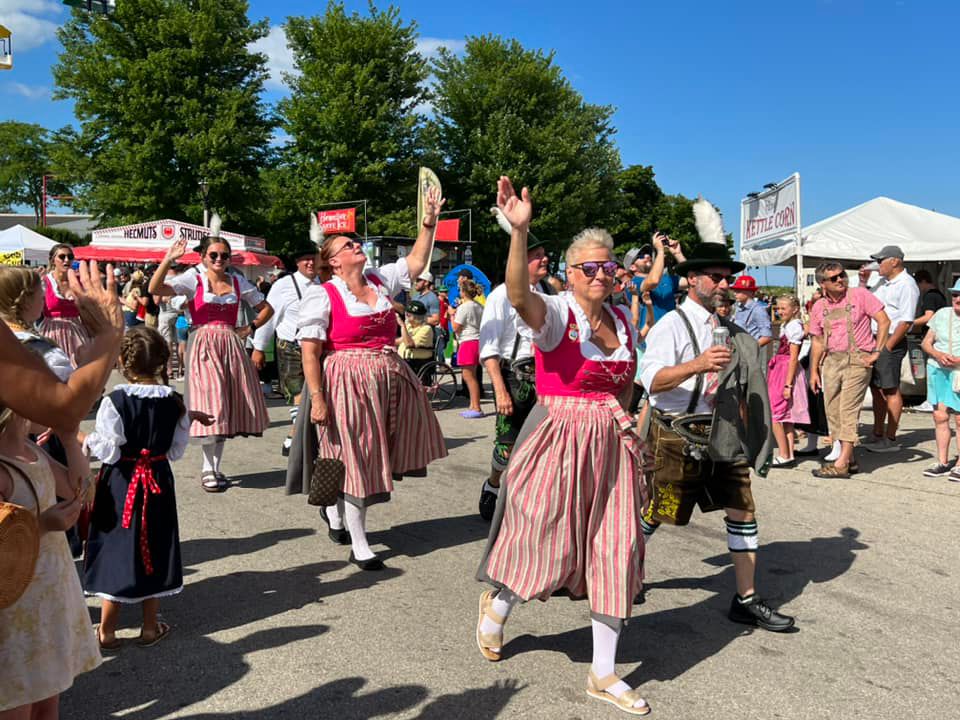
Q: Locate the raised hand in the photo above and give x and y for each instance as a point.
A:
(96, 300)
(177, 250)
(659, 239)
(432, 204)
(517, 209)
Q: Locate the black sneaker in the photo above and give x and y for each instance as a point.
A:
(488, 502)
(756, 612)
(940, 469)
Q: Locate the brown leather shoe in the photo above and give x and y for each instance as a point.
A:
(831, 471)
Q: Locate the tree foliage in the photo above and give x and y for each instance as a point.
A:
(25, 151)
(351, 119)
(166, 93)
(502, 109)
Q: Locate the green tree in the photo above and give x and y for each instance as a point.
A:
(25, 151)
(633, 218)
(166, 93)
(501, 109)
(351, 119)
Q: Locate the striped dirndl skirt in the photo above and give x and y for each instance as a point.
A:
(68, 333)
(223, 382)
(575, 493)
(380, 422)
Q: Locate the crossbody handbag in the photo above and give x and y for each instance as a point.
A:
(19, 543)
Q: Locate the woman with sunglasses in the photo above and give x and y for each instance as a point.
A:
(221, 379)
(569, 509)
(61, 318)
(370, 410)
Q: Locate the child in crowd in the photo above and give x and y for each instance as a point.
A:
(45, 638)
(133, 549)
(415, 344)
(787, 383)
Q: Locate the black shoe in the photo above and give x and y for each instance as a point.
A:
(806, 453)
(373, 563)
(339, 536)
(756, 612)
(488, 502)
(285, 450)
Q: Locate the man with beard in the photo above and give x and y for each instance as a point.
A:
(711, 416)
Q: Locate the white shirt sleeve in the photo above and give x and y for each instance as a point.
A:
(659, 353)
(249, 292)
(314, 314)
(184, 284)
(492, 325)
(107, 438)
(794, 332)
(181, 437)
(277, 300)
(554, 325)
(395, 276)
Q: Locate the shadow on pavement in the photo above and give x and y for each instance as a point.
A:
(260, 481)
(475, 703)
(670, 642)
(186, 668)
(201, 550)
(460, 442)
(425, 536)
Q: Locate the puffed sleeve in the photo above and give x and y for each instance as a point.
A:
(314, 316)
(249, 292)
(184, 284)
(395, 276)
(794, 332)
(107, 437)
(181, 437)
(554, 325)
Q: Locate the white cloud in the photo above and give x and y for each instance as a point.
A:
(429, 46)
(31, 22)
(31, 92)
(279, 56)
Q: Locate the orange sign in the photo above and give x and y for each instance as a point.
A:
(338, 221)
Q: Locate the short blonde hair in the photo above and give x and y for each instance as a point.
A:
(590, 238)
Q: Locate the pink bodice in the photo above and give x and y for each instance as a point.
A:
(346, 332)
(55, 306)
(204, 313)
(783, 348)
(564, 371)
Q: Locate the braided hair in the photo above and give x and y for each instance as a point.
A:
(144, 353)
(17, 286)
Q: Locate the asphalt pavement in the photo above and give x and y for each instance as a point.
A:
(274, 623)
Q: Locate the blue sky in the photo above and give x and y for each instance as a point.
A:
(859, 97)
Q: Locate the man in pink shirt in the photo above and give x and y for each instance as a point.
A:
(844, 350)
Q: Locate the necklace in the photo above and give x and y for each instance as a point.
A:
(594, 328)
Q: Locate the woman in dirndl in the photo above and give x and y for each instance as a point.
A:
(369, 409)
(221, 379)
(61, 318)
(568, 514)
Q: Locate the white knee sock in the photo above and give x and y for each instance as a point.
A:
(355, 519)
(208, 451)
(335, 515)
(605, 639)
(217, 454)
(503, 603)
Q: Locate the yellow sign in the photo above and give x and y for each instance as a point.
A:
(13, 257)
(428, 179)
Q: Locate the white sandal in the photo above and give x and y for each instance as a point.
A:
(597, 688)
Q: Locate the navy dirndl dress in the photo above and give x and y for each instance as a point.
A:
(133, 547)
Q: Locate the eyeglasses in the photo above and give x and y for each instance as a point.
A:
(65, 258)
(718, 278)
(214, 256)
(839, 277)
(349, 244)
(592, 267)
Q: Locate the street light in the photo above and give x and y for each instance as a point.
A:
(204, 192)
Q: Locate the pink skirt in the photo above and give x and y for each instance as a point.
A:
(575, 496)
(68, 333)
(468, 354)
(224, 383)
(381, 422)
(796, 409)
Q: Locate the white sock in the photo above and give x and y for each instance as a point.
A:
(207, 450)
(335, 515)
(217, 454)
(605, 639)
(834, 452)
(503, 603)
(355, 519)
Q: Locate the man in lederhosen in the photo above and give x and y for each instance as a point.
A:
(508, 358)
(284, 298)
(711, 416)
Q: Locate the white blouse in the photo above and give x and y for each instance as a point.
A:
(315, 306)
(186, 284)
(55, 358)
(793, 331)
(555, 327)
(107, 438)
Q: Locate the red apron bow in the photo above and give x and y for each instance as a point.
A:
(142, 475)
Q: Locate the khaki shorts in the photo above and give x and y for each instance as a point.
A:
(844, 379)
(680, 482)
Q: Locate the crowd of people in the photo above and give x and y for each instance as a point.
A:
(627, 394)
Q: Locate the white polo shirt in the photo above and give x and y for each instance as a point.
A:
(900, 297)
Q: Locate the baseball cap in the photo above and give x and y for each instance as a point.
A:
(426, 275)
(415, 307)
(888, 251)
(117, 272)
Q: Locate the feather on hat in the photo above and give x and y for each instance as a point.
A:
(532, 240)
(712, 250)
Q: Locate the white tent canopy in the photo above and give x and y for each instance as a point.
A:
(857, 233)
(35, 247)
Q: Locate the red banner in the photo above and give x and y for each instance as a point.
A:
(338, 221)
(447, 231)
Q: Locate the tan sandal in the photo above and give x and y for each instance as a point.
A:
(488, 641)
(597, 688)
